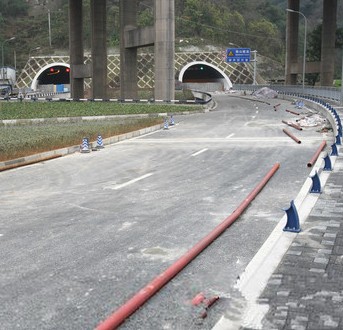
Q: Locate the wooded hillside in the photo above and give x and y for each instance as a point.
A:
(258, 24)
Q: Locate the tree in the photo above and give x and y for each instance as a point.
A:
(14, 8)
(264, 37)
(314, 51)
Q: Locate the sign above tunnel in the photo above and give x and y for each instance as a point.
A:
(237, 55)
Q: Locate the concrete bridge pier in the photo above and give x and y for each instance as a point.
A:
(292, 35)
(77, 68)
(128, 53)
(164, 49)
(161, 36)
(326, 66)
(99, 49)
(98, 69)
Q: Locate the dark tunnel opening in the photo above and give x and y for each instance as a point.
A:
(201, 73)
(55, 75)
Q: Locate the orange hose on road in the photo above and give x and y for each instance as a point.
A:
(119, 316)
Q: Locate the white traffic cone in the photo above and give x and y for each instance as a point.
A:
(166, 126)
(99, 142)
(84, 147)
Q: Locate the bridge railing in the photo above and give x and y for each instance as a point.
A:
(328, 93)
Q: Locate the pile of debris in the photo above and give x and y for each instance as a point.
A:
(315, 120)
(265, 92)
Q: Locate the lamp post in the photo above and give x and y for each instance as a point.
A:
(255, 64)
(31, 50)
(2, 56)
(342, 80)
(304, 60)
(49, 24)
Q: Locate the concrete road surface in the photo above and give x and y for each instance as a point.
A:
(80, 235)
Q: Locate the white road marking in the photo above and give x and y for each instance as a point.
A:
(211, 140)
(86, 208)
(119, 186)
(141, 136)
(229, 136)
(199, 152)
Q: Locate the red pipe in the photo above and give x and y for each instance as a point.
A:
(296, 126)
(292, 136)
(316, 155)
(275, 106)
(293, 112)
(292, 125)
(119, 316)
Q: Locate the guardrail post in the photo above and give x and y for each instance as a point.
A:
(338, 140)
(327, 164)
(316, 187)
(292, 224)
(337, 117)
(334, 151)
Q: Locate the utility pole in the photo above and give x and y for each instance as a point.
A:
(342, 80)
(255, 65)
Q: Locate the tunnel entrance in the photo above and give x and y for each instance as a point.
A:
(51, 77)
(204, 76)
(55, 75)
(201, 73)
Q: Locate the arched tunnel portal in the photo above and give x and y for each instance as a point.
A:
(52, 74)
(203, 72)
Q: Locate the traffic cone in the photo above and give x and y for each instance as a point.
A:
(166, 124)
(84, 147)
(172, 122)
(99, 142)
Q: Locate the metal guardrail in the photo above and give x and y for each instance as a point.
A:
(327, 93)
(199, 98)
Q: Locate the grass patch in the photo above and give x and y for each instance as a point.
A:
(25, 140)
(53, 109)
